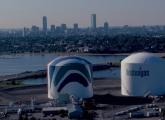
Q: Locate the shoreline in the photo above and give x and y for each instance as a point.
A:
(161, 54)
(65, 54)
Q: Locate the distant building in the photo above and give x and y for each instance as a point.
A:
(35, 30)
(44, 24)
(93, 21)
(75, 27)
(106, 27)
(52, 28)
(63, 28)
(58, 29)
(25, 31)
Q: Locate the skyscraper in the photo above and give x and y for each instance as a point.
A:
(93, 21)
(75, 27)
(35, 30)
(26, 31)
(44, 24)
(52, 28)
(106, 27)
(63, 28)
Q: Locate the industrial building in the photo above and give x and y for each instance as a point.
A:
(142, 74)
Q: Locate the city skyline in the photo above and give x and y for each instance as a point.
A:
(20, 13)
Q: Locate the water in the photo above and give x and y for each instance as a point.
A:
(12, 64)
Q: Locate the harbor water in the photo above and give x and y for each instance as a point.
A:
(13, 64)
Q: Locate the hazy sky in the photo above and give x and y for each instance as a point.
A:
(20, 13)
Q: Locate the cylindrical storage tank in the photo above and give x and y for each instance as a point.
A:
(142, 74)
(71, 76)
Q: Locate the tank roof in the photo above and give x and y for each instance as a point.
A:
(67, 59)
(143, 57)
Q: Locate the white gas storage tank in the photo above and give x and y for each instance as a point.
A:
(142, 74)
(71, 76)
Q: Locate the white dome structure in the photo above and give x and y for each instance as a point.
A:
(142, 74)
(71, 76)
